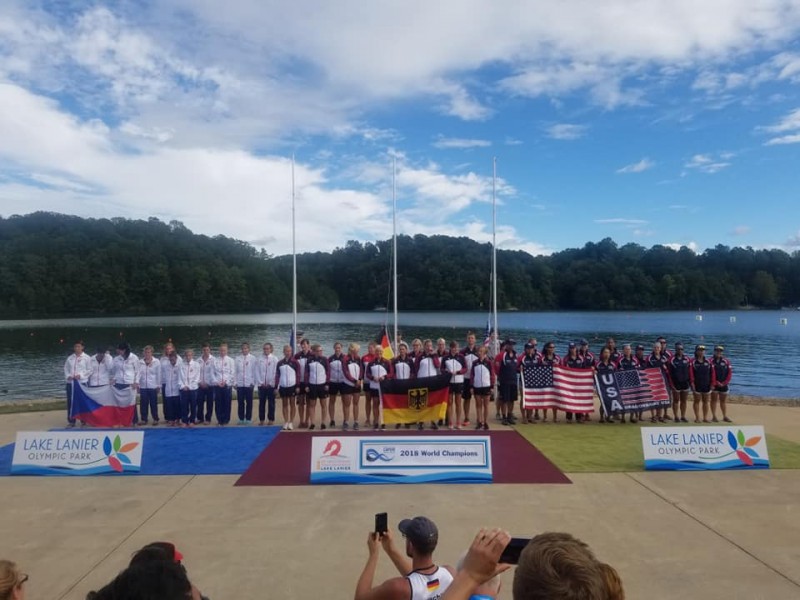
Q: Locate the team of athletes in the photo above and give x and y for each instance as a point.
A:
(195, 390)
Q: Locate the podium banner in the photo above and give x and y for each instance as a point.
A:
(704, 448)
(79, 452)
(407, 459)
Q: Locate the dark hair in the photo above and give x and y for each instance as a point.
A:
(147, 581)
(558, 566)
(425, 547)
(126, 347)
(155, 551)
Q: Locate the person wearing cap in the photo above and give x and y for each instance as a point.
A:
(529, 358)
(589, 359)
(420, 579)
(506, 364)
(678, 370)
(659, 361)
(722, 375)
(574, 361)
(702, 380)
(549, 357)
(664, 350)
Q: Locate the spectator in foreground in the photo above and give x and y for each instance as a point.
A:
(147, 580)
(553, 566)
(486, 591)
(422, 576)
(12, 581)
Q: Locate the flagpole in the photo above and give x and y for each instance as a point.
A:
(394, 244)
(294, 268)
(494, 254)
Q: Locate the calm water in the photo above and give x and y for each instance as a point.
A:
(761, 348)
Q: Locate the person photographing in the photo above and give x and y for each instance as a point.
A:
(420, 577)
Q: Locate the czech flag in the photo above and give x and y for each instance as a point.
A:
(103, 406)
(415, 400)
(383, 340)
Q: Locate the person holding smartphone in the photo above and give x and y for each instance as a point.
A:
(425, 579)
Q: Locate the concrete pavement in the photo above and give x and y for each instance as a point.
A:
(693, 535)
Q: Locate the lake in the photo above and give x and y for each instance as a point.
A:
(760, 344)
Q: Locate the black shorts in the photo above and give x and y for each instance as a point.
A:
(349, 389)
(335, 388)
(508, 393)
(481, 391)
(723, 389)
(466, 393)
(317, 391)
(703, 389)
(681, 386)
(374, 392)
(287, 392)
(456, 388)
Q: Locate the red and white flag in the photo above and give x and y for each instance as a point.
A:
(558, 387)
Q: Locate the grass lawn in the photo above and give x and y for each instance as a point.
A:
(609, 448)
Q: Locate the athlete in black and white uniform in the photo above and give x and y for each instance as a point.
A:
(351, 388)
(456, 366)
(379, 369)
(470, 354)
(336, 369)
(678, 369)
(316, 386)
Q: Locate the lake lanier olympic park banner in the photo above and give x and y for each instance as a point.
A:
(704, 448)
(77, 452)
(406, 459)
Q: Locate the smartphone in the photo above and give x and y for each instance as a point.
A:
(381, 522)
(510, 555)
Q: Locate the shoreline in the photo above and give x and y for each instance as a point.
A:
(53, 404)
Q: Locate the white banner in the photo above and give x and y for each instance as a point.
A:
(405, 459)
(704, 448)
(79, 452)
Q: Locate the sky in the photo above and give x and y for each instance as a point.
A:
(671, 122)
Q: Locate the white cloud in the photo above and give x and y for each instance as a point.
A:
(789, 126)
(741, 230)
(447, 143)
(566, 131)
(793, 138)
(510, 141)
(678, 245)
(621, 221)
(637, 167)
(708, 163)
(794, 241)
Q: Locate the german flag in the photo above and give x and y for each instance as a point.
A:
(433, 585)
(383, 340)
(415, 400)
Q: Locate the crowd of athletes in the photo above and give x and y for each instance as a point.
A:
(198, 390)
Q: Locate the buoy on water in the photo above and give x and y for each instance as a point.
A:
(733, 319)
(698, 317)
(784, 321)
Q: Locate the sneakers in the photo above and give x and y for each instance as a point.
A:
(383, 427)
(322, 426)
(505, 421)
(727, 419)
(479, 426)
(332, 423)
(684, 420)
(70, 425)
(420, 427)
(434, 426)
(398, 426)
(486, 427)
(355, 425)
(312, 426)
(715, 420)
(345, 426)
(242, 422)
(465, 423)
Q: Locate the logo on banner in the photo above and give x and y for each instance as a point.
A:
(385, 455)
(332, 459)
(744, 447)
(417, 398)
(77, 453)
(681, 448)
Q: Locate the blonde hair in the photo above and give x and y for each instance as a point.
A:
(353, 347)
(9, 578)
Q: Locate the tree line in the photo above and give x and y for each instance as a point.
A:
(60, 265)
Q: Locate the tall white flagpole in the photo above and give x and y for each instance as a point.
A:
(394, 246)
(494, 255)
(294, 268)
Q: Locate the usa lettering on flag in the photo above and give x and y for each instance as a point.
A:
(632, 391)
(558, 387)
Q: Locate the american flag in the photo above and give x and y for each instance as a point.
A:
(634, 390)
(558, 387)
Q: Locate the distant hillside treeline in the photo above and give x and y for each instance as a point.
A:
(53, 265)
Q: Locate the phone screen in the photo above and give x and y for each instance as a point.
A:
(381, 522)
(510, 555)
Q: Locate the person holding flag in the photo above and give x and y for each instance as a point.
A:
(78, 368)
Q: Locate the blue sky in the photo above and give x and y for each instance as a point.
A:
(661, 122)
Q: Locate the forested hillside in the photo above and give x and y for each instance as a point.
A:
(53, 265)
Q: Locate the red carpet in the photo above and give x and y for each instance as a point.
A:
(287, 460)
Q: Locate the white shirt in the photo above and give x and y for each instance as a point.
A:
(126, 370)
(224, 370)
(452, 365)
(265, 370)
(101, 371)
(376, 370)
(164, 360)
(427, 367)
(207, 373)
(78, 367)
(245, 370)
(171, 376)
(441, 578)
(150, 375)
(482, 374)
(190, 374)
(336, 368)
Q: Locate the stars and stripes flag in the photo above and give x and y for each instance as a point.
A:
(634, 390)
(558, 387)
